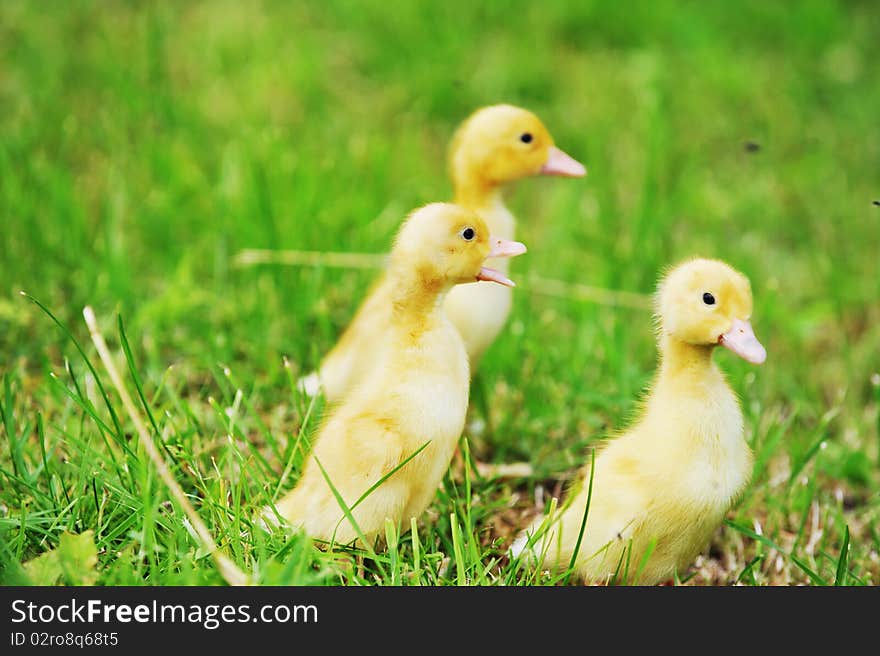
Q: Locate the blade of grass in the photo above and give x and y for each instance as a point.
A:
(814, 577)
(840, 576)
(460, 567)
(6, 414)
(252, 256)
(537, 284)
(47, 472)
(350, 517)
(391, 535)
(624, 558)
(389, 474)
(416, 549)
(577, 545)
(644, 560)
(129, 358)
(755, 536)
(747, 570)
(466, 457)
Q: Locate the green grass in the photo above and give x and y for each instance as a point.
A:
(142, 145)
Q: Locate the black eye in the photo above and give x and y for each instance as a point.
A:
(468, 234)
(708, 299)
(526, 137)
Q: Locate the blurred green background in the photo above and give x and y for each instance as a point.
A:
(143, 144)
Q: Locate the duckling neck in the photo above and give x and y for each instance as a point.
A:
(487, 199)
(686, 363)
(417, 300)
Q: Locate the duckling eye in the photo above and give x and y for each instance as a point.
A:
(708, 299)
(468, 234)
(526, 137)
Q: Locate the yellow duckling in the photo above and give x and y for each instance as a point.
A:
(496, 145)
(415, 398)
(662, 488)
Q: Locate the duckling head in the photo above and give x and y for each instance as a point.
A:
(447, 245)
(503, 143)
(706, 302)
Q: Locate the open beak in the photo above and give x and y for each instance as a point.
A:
(562, 164)
(741, 340)
(501, 248)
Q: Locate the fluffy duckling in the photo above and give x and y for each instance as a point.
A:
(495, 146)
(664, 486)
(416, 395)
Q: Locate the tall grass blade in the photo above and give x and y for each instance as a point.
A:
(840, 575)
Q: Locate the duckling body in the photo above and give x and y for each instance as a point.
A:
(486, 153)
(414, 398)
(663, 487)
(369, 436)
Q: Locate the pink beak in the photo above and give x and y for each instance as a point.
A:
(501, 248)
(559, 163)
(741, 340)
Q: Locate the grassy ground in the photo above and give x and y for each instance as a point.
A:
(142, 145)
